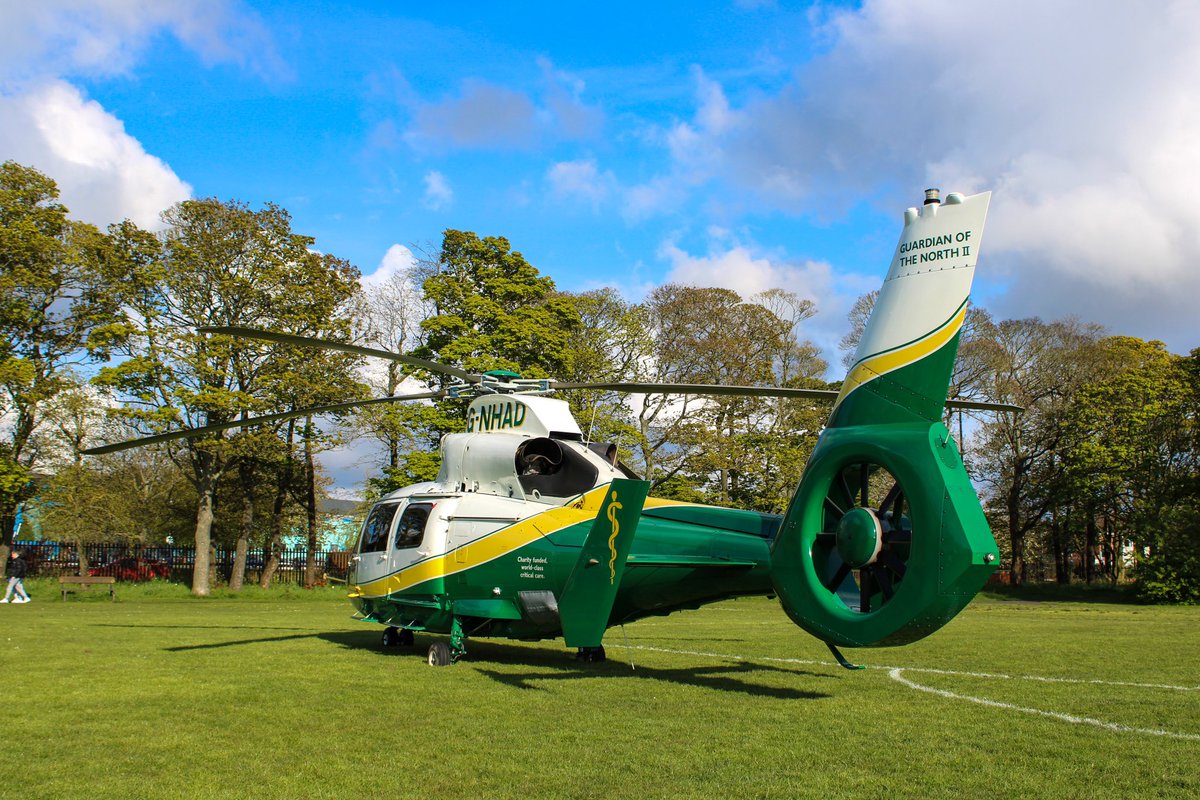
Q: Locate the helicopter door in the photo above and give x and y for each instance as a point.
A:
(411, 535)
(371, 561)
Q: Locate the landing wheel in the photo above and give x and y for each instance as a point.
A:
(391, 637)
(439, 654)
(591, 654)
(862, 551)
(406, 637)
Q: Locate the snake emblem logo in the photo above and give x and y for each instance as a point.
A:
(613, 508)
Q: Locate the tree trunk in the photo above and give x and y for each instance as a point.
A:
(82, 557)
(1016, 536)
(237, 575)
(1062, 573)
(275, 543)
(310, 503)
(1089, 549)
(8, 521)
(204, 519)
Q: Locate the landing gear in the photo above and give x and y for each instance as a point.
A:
(439, 654)
(397, 637)
(591, 654)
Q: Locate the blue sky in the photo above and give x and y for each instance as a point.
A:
(744, 144)
(748, 144)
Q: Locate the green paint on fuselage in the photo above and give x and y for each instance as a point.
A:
(706, 533)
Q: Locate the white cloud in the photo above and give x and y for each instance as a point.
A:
(581, 180)
(103, 174)
(696, 153)
(438, 194)
(55, 38)
(482, 115)
(487, 116)
(1082, 116)
(396, 261)
(740, 268)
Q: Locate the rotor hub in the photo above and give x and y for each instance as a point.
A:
(859, 537)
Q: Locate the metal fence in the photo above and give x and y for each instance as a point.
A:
(164, 562)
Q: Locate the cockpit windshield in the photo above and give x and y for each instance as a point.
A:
(375, 530)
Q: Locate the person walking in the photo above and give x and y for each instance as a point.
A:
(16, 578)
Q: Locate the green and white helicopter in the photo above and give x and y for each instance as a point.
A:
(530, 532)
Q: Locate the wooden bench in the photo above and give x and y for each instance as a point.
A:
(86, 582)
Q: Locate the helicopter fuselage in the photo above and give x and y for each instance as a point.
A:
(494, 540)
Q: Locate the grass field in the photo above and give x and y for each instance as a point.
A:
(158, 695)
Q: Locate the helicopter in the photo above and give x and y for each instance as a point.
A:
(530, 531)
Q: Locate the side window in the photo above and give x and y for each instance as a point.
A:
(375, 529)
(411, 529)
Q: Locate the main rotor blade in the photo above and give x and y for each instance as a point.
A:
(757, 391)
(187, 433)
(979, 405)
(704, 388)
(304, 341)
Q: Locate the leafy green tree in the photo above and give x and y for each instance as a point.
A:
(490, 309)
(1018, 457)
(610, 345)
(55, 304)
(218, 264)
(1132, 463)
(740, 449)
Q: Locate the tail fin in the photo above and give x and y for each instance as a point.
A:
(864, 559)
(588, 596)
(906, 354)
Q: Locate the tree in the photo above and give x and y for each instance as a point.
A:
(739, 449)
(1018, 456)
(217, 264)
(1132, 463)
(612, 340)
(388, 315)
(491, 310)
(55, 304)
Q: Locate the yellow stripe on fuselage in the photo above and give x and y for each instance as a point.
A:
(489, 547)
(497, 544)
(878, 365)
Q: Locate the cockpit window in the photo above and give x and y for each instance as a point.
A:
(375, 529)
(411, 529)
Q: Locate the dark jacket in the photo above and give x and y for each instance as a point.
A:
(16, 568)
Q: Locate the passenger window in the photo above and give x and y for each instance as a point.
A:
(375, 529)
(411, 529)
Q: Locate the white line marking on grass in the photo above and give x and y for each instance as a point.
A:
(895, 674)
(930, 670)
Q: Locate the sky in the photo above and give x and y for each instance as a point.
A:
(746, 144)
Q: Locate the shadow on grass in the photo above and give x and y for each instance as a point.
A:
(736, 677)
(1067, 593)
(551, 665)
(201, 627)
(216, 645)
